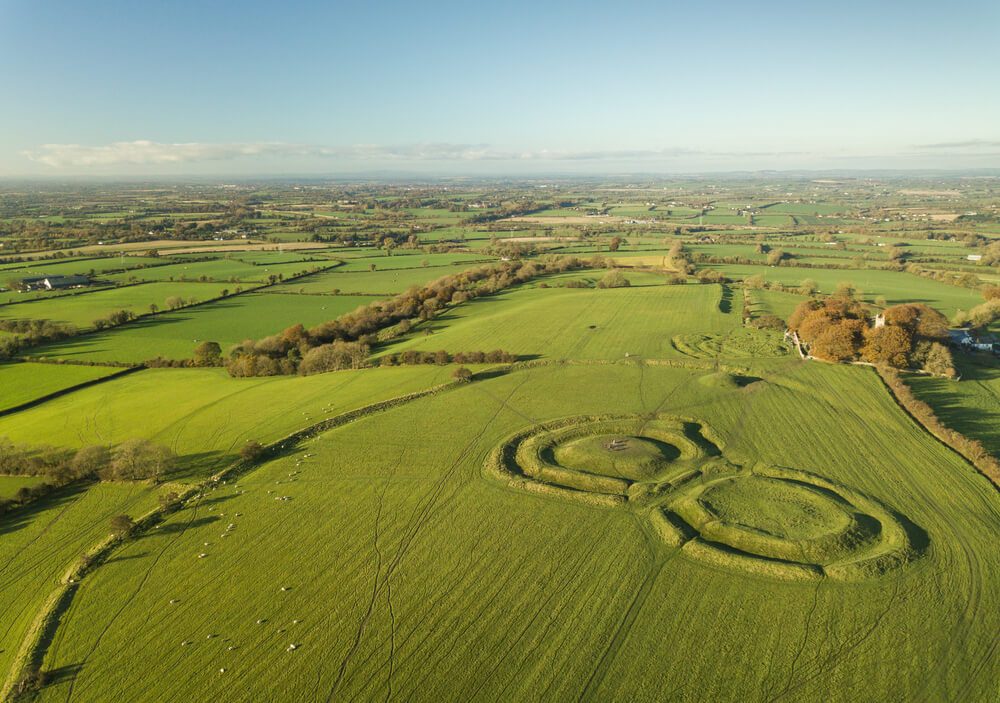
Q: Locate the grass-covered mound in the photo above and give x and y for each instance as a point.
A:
(788, 524)
(621, 456)
(603, 459)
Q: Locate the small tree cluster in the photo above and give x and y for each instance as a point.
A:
(838, 329)
(614, 279)
(131, 460)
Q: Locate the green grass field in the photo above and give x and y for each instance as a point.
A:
(77, 266)
(414, 260)
(10, 485)
(971, 405)
(446, 584)
(896, 287)
(38, 544)
(82, 309)
(174, 335)
(204, 415)
(23, 383)
(577, 323)
(387, 282)
(231, 270)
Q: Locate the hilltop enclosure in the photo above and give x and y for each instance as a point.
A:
(552, 440)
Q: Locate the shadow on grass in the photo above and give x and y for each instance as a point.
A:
(62, 674)
(61, 498)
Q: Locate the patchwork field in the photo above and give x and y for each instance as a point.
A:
(203, 414)
(84, 308)
(656, 501)
(174, 335)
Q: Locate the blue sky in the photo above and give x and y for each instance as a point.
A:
(250, 88)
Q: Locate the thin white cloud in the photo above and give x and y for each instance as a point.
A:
(145, 152)
(966, 144)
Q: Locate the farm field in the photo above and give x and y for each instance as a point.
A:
(426, 557)
(385, 282)
(578, 323)
(410, 261)
(10, 485)
(202, 414)
(896, 287)
(83, 266)
(38, 546)
(25, 382)
(971, 405)
(648, 494)
(174, 335)
(231, 270)
(83, 309)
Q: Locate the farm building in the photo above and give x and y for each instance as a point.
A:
(55, 282)
(965, 340)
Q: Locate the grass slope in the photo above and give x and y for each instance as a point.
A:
(23, 383)
(38, 543)
(204, 415)
(437, 583)
(577, 323)
(970, 405)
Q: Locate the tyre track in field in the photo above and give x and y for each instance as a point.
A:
(507, 584)
(806, 629)
(359, 633)
(128, 601)
(420, 520)
(570, 599)
(543, 607)
(440, 595)
(40, 558)
(622, 631)
(823, 666)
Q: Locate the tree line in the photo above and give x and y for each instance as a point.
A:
(132, 460)
(346, 341)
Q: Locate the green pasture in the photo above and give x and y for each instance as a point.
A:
(442, 583)
(39, 542)
(25, 382)
(896, 286)
(204, 415)
(225, 269)
(408, 260)
(81, 266)
(387, 282)
(565, 323)
(970, 405)
(10, 485)
(174, 335)
(84, 308)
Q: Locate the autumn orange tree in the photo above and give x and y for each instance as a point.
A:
(839, 329)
